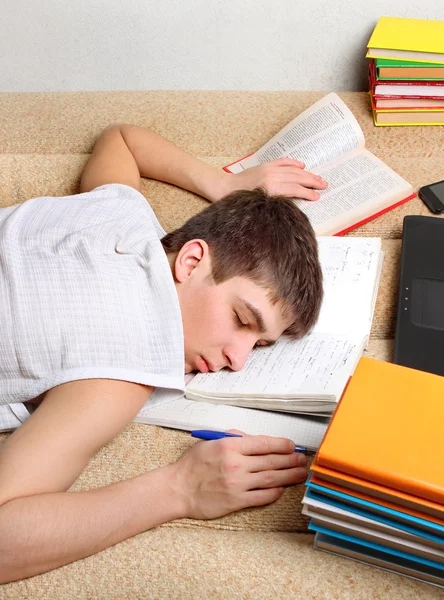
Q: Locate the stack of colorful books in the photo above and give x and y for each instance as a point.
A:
(406, 72)
(376, 487)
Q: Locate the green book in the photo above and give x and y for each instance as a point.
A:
(388, 69)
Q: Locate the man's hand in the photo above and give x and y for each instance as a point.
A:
(281, 177)
(217, 477)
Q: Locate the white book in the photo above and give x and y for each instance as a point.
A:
(309, 375)
(329, 140)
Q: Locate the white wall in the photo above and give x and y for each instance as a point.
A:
(58, 45)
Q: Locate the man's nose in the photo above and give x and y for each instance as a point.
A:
(237, 355)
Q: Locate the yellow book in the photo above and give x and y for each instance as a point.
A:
(417, 40)
(388, 429)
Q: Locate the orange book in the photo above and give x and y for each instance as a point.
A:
(373, 492)
(388, 429)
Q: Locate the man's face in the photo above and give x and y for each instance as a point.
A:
(224, 322)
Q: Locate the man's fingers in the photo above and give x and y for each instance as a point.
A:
(298, 176)
(262, 497)
(287, 162)
(279, 478)
(263, 444)
(298, 191)
(270, 462)
(237, 432)
(294, 190)
(293, 183)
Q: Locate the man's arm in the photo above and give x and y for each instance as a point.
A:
(124, 153)
(42, 526)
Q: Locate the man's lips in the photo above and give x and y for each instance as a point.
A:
(202, 365)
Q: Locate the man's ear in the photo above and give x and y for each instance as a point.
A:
(193, 255)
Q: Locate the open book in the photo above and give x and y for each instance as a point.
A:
(309, 375)
(329, 140)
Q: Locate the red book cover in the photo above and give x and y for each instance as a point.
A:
(378, 214)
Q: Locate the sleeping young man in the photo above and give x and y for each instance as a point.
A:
(100, 307)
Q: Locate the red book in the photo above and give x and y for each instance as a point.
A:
(329, 141)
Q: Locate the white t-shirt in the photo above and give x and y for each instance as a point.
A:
(86, 291)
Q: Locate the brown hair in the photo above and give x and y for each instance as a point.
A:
(267, 239)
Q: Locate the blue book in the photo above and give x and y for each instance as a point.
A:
(378, 512)
(378, 547)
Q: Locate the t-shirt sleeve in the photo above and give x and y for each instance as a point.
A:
(87, 291)
(104, 216)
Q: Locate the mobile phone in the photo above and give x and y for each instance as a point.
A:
(433, 196)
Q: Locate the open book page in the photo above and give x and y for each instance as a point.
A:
(317, 366)
(189, 415)
(12, 416)
(160, 396)
(351, 271)
(317, 136)
(375, 295)
(359, 186)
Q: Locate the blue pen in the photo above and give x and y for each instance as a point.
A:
(205, 434)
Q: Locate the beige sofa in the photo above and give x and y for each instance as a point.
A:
(257, 554)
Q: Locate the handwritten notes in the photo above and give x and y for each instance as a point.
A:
(316, 366)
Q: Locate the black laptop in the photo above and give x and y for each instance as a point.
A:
(419, 339)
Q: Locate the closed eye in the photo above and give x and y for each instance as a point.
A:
(263, 344)
(238, 321)
(242, 325)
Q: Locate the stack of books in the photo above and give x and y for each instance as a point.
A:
(406, 72)
(375, 492)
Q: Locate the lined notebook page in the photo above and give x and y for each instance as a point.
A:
(350, 268)
(315, 366)
(189, 415)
